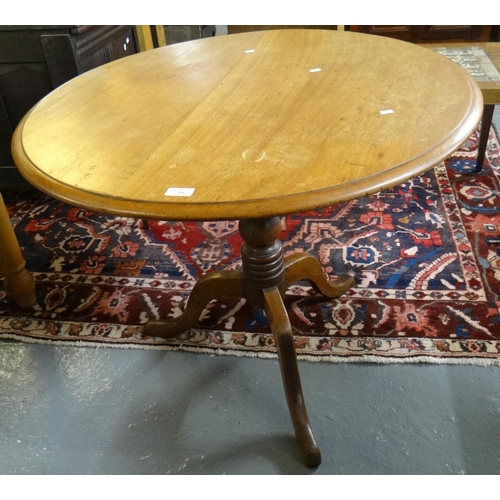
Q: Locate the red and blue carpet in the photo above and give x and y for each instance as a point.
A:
(426, 257)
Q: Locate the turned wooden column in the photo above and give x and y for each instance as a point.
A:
(262, 258)
(19, 283)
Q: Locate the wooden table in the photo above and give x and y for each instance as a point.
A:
(489, 89)
(250, 127)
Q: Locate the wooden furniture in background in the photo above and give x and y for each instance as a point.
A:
(185, 33)
(250, 127)
(34, 60)
(495, 34)
(18, 282)
(150, 37)
(490, 91)
(429, 33)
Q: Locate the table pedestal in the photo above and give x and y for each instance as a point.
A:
(265, 276)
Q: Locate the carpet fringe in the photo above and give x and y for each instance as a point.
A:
(484, 362)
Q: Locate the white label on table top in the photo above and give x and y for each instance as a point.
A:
(387, 111)
(174, 191)
(315, 70)
(249, 51)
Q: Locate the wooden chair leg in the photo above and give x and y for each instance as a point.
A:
(484, 134)
(19, 283)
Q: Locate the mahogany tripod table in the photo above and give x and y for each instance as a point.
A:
(249, 127)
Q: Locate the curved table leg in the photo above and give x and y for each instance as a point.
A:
(283, 337)
(304, 266)
(215, 285)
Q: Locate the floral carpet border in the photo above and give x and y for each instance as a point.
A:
(309, 348)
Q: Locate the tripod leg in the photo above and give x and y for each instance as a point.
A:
(304, 266)
(283, 338)
(215, 285)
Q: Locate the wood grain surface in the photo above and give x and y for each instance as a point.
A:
(243, 121)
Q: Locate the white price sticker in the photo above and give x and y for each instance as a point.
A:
(174, 191)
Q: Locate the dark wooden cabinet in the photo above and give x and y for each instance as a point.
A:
(431, 33)
(183, 33)
(34, 60)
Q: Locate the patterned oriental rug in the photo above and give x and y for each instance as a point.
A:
(425, 255)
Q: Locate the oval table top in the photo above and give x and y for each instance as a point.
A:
(249, 125)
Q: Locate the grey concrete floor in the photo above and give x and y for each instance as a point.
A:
(71, 410)
(67, 410)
